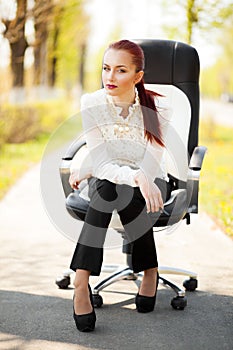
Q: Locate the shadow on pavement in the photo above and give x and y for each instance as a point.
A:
(204, 324)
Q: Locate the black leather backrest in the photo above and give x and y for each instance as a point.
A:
(175, 63)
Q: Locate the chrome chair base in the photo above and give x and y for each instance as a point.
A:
(124, 272)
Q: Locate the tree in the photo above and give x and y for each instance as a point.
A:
(60, 34)
(192, 18)
(15, 33)
(218, 79)
(42, 14)
(197, 15)
(70, 28)
(60, 31)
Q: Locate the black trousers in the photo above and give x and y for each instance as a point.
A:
(106, 196)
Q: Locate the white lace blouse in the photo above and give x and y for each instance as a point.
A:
(116, 144)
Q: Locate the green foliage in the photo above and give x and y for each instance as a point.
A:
(55, 128)
(94, 62)
(210, 81)
(94, 70)
(70, 25)
(212, 19)
(192, 18)
(218, 79)
(20, 123)
(216, 191)
(15, 159)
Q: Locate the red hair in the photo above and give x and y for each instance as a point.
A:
(150, 114)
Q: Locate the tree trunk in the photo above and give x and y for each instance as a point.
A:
(42, 16)
(15, 33)
(192, 17)
(40, 57)
(53, 64)
(17, 61)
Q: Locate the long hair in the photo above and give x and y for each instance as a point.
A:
(150, 114)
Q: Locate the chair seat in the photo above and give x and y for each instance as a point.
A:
(174, 209)
(76, 205)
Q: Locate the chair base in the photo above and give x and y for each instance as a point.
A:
(120, 272)
(126, 273)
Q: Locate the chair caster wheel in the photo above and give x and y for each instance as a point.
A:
(190, 285)
(63, 282)
(179, 303)
(97, 300)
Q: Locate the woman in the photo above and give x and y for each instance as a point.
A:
(124, 132)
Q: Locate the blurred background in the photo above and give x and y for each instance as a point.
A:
(51, 52)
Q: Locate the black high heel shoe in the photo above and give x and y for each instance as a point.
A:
(146, 304)
(86, 322)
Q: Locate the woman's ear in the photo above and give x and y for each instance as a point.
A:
(139, 76)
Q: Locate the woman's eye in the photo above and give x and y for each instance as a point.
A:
(108, 69)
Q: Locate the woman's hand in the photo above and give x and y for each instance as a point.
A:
(74, 180)
(150, 192)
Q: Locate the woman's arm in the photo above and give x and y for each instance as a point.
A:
(152, 165)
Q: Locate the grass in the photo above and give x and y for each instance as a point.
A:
(216, 190)
(16, 159)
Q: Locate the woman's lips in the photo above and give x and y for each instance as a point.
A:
(109, 86)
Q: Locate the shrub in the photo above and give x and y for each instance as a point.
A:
(20, 123)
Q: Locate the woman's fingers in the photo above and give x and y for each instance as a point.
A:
(155, 202)
(154, 205)
(151, 194)
(73, 181)
(148, 206)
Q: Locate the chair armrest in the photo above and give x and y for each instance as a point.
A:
(195, 166)
(64, 168)
(197, 158)
(73, 149)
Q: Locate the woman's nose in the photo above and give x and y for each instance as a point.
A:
(111, 75)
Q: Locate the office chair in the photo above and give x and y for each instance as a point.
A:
(171, 69)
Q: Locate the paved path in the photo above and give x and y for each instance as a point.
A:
(36, 315)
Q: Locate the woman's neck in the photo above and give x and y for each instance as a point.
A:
(124, 101)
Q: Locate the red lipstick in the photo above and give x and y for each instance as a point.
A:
(110, 86)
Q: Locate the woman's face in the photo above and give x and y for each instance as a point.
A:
(119, 74)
